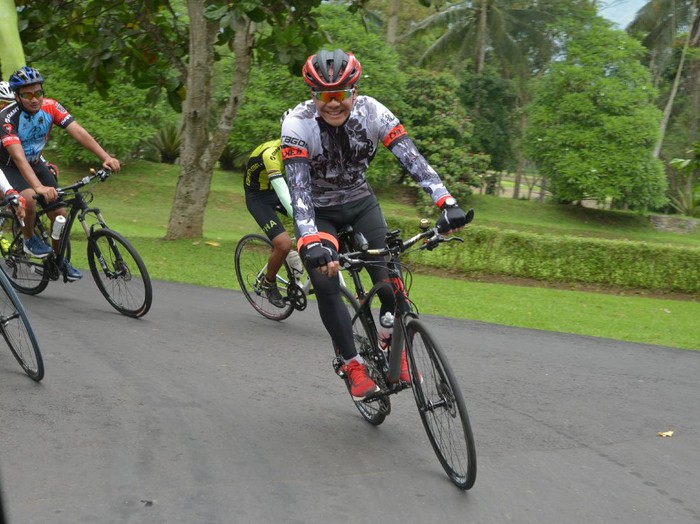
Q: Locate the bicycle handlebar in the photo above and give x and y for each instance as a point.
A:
(396, 245)
(103, 174)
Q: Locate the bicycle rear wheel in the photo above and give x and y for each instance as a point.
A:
(441, 406)
(18, 332)
(250, 261)
(26, 274)
(120, 274)
(376, 409)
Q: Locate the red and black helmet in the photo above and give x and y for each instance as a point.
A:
(331, 69)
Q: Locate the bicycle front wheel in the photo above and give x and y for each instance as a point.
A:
(18, 332)
(250, 261)
(441, 406)
(26, 274)
(376, 409)
(119, 273)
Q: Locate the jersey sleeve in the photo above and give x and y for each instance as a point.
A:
(396, 139)
(5, 185)
(295, 155)
(60, 116)
(8, 133)
(272, 159)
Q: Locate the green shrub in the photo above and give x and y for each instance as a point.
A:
(557, 258)
(166, 143)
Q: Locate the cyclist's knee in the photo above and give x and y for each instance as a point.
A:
(325, 286)
(282, 243)
(29, 202)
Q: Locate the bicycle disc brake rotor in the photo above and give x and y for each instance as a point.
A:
(296, 296)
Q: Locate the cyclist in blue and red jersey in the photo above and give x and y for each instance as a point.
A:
(24, 131)
(328, 143)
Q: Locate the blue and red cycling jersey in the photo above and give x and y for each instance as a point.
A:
(31, 131)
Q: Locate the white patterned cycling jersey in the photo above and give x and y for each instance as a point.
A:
(326, 165)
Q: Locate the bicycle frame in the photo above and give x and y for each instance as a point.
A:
(353, 262)
(78, 208)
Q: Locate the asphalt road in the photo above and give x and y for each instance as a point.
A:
(205, 412)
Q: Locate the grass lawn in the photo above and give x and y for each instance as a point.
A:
(137, 202)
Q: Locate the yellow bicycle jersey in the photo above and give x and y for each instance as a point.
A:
(264, 165)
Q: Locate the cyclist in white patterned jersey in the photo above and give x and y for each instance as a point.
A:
(328, 143)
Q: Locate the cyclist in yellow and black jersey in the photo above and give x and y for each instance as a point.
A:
(266, 194)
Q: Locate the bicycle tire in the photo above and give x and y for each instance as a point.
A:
(375, 410)
(441, 406)
(18, 333)
(26, 274)
(119, 272)
(250, 263)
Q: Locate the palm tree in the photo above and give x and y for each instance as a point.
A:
(661, 21)
(513, 33)
(472, 29)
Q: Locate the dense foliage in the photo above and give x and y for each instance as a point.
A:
(120, 120)
(593, 122)
(443, 131)
(490, 101)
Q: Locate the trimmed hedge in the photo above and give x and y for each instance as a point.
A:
(655, 267)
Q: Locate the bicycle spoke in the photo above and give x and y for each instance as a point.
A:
(18, 333)
(250, 261)
(441, 407)
(26, 274)
(119, 273)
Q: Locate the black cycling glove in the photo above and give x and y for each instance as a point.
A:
(318, 255)
(451, 218)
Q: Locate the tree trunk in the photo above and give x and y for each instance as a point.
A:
(11, 50)
(481, 37)
(691, 39)
(393, 22)
(520, 166)
(694, 92)
(200, 149)
(187, 213)
(693, 88)
(243, 49)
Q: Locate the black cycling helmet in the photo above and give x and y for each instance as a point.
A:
(25, 76)
(331, 69)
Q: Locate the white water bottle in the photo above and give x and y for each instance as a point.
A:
(386, 327)
(58, 225)
(294, 261)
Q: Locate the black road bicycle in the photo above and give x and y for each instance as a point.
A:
(118, 270)
(16, 329)
(437, 394)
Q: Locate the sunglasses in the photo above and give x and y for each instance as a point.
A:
(327, 96)
(31, 96)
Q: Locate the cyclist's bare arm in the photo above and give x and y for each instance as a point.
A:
(86, 140)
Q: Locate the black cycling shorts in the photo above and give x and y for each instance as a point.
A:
(264, 206)
(15, 178)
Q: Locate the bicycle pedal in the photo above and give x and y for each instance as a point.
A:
(338, 368)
